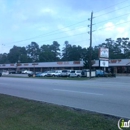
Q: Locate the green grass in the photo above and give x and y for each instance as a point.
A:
(65, 78)
(59, 78)
(21, 114)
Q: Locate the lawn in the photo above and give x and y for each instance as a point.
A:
(22, 114)
(59, 78)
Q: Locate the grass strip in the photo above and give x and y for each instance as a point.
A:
(59, 78)
(21, 114)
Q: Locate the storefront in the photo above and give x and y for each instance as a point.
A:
(43, 66)
(115, 65)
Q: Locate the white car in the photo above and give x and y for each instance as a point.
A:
(58, 73)
(5, 72)
(75, 73)
(65, 73)
(26, 72)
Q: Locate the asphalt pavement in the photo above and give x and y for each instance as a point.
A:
(102, 95)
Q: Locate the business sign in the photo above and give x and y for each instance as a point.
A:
(104, 63)
(63, 63)
(76, 62)
(104, 53)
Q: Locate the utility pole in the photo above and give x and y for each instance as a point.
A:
(90, 47)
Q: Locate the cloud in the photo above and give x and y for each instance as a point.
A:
(109, 26)
(111, 30)
(48, 11)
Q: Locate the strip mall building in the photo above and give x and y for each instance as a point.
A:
(116, 65)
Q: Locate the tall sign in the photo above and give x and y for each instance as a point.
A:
(104, 53)
(104, 57)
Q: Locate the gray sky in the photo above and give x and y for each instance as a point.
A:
(45, 21)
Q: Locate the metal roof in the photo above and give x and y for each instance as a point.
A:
(44, 64)
(112, 62)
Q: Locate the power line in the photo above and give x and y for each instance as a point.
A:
(112, 26)
(111, 6)
(50, 33)
(63, 37)
(78, 34)
(53, 32)
(58, 38)
(71, 43)
(111, 19)
(56, 31)
(112, 11)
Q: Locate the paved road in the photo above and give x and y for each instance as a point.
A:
(103, 95)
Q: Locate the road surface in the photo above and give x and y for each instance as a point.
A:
(103, 95)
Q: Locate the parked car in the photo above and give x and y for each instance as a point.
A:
(101, 73)
(58, 73)
(33, 74)
(5, 72)
(26, 72)
(65, 73)
(38, 74)
(75, 73)
(84, 72)
(43, 74)
(51, 73)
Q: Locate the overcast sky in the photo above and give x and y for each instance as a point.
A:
(45, 21)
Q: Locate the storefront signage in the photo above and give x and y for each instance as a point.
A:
(104, 53)
(63, 63)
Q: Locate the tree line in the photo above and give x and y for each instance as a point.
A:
(118, 49)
